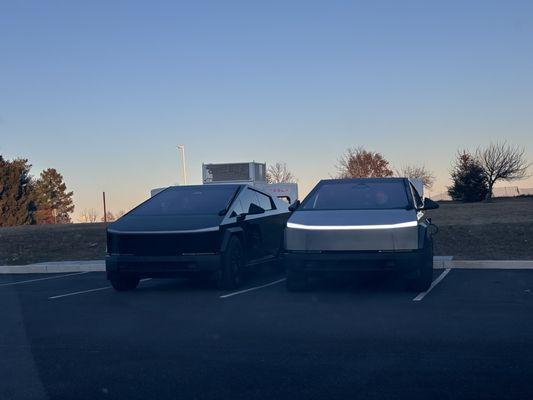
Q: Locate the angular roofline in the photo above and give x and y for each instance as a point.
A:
(393, 179)
(229, 184)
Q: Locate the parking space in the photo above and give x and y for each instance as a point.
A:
(14, 280)
(340, 338)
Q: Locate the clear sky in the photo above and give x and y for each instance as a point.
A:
(104, 91)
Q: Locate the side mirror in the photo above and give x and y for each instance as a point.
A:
(430, 204)
(255, 209)
(294, 205)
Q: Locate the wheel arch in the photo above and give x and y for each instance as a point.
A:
(228, 233)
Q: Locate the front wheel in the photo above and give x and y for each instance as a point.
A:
(230, 275)
(424, 273)
(124, 282)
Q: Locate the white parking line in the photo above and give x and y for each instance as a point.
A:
(87, 291)
(421, 295)
(42, 279)
(252, 288)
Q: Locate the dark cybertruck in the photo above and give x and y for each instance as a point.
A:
(214, 230)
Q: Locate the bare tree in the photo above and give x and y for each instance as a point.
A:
(120, 214)
(279, 173)
(359, 163)
(418, 172)
(88, 216)
(502, 161)
(109, 217)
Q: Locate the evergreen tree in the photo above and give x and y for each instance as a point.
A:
(17, 204)
(469, 180)
(54, 203)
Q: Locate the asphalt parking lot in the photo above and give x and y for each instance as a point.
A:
(66, 336)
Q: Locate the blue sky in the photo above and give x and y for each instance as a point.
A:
(103, 91)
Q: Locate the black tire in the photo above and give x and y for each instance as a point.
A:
(124, 282)
(231, 270)
(424, 273)
(200, 277)
(279, 263)
(296, 280)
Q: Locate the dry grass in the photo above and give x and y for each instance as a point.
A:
(499, 230)
(499, 211)
(38, 243)
(502, 229)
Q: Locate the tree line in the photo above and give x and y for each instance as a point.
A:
(90, 215)
(25, 200)
(473, 173)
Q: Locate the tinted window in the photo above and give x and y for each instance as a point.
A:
(418, 200)
(237, 208)
(264, 201)
(248, 197)
(358, 196)
(187, 200)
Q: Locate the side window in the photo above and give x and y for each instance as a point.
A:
(264, 201)
(418, 200)
(248, 197)
(237, 207)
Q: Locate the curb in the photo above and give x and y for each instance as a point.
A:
(439, 262)
(55, 267)
(493, 264)
(442, 262)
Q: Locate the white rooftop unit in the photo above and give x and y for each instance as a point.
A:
(249, 173)
(234, 172)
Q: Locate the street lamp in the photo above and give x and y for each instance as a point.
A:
(182, 149)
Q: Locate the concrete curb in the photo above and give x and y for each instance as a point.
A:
(442, 262)
(54, 267)
(439, 262)
(493, 264)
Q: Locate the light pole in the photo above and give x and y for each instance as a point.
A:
(182, 149)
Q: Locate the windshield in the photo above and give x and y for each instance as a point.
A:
(358, 196)
(187, 200)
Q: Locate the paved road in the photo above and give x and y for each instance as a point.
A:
(471, 337)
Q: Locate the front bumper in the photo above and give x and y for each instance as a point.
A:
(162, 266)
(353, 261)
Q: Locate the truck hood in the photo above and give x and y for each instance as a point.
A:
(167, 223)
(372, 219)
(352, 230)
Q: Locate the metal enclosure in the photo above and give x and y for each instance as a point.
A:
(249, 173)
(234, 172)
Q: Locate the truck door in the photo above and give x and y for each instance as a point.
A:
(251, 226)
(271, 226)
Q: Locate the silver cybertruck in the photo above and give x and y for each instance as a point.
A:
(369, 224)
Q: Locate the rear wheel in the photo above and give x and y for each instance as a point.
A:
(230, 275)
(296, 280)
(424, 273)
(124, 282)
